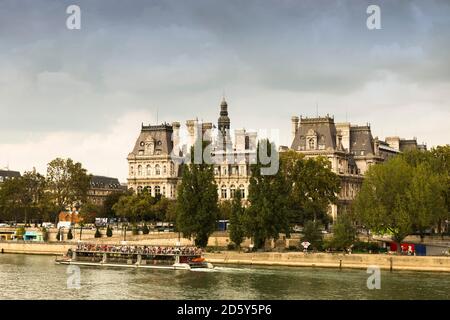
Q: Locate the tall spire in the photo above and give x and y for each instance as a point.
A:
(223, 124)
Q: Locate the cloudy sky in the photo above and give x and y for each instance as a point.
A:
(84, 93)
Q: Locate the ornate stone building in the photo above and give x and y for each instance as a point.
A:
(232, 172)
(351, 149)
(151, 163)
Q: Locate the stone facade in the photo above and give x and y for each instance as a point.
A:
(351, 149)
(100, 187)
(151, 163)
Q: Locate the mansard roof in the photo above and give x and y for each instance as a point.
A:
(105, 182)
(322, 127)
(9, 173)
(361, 141)
(154, 140)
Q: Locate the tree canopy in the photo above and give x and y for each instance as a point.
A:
(197, 198)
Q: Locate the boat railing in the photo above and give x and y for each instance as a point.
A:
(184, 254)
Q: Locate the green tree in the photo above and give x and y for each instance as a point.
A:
(109, 232)
(425, 199)
(267, 214)
(124, 208)
(236, 229)
(225, 208)
(20, 232)
(382, 204)
(44, 234)
(110, 201)
(145, 229)
(344, 232)
(197, 208)
(314, 187)
(68, 182)
(12, 200)
(313, 234)
(437, 161)
(69, 235)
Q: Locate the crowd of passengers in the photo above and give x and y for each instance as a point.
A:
(139, 249)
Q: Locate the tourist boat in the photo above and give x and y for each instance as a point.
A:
(152, 257)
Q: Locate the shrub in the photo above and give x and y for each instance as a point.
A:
(97, 234)
(135, 230)
(109, 232)
(366, 247)
(231, 246)
(70, 235)
(20, 233)
(145, 229)
(312, 234)
(44, 234)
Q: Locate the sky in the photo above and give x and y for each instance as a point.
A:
(84, 93)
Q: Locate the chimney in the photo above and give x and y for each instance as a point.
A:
(294, 126)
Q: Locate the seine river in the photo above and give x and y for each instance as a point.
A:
(38, 277)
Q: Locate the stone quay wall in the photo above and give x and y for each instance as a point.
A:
(332, 260)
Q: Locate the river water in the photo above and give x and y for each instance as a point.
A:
(38, 277)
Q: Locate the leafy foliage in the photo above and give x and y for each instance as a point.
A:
(109, 232)
(313, 234)
(401, 196)
(236, 229)
(344, 232)
(197, 208)
(69, 235)
(97, 233)
(267, 214)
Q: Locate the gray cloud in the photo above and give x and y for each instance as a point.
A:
(180, 55)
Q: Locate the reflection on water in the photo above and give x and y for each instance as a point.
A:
(38, 277)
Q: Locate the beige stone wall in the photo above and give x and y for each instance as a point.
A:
(34, 248)
(360, 261)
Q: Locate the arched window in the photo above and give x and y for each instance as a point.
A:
(242, 189)
(149, 170)
(157, 170)
(139, 189)
(139, 170)
(164, 169)
(157, 190)
(149, 190)
(232, 191)
(172, 169)
(224, 192)
(311, 144)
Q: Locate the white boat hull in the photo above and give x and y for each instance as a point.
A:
(176, 266)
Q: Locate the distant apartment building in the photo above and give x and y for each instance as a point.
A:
(351, 150)
(8, 174)
(100, 187)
